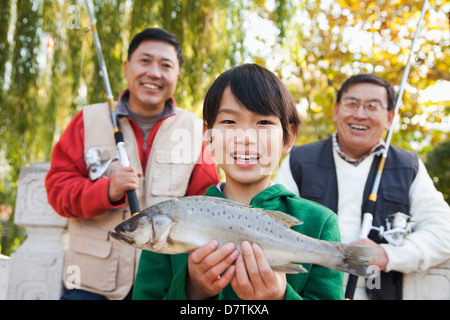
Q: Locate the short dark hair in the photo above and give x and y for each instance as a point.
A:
(256, 89)
(369, 78)
(156, 34)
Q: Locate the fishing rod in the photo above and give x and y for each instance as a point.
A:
(118, 136)
(366, 225)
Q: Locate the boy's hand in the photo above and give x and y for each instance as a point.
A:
(205, 265)
(262, 283)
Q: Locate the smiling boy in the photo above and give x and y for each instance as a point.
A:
(250, 121)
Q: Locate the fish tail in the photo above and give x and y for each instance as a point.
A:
(354, 259)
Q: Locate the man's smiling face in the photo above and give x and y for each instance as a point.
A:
(359, 132)
(151, 74)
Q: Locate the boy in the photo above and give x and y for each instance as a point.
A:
(250, 121)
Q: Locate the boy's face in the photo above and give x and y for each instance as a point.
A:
(245, 144)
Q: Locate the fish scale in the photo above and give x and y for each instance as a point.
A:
(185, 224)
(246, 227)
(230, 219)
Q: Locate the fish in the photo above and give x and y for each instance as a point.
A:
(182, 225)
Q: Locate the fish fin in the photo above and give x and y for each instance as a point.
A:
(290, 268)
(355, 259)
(285, 218)
(162, 225)
(217, 199)
(157, 246)
(221, 201)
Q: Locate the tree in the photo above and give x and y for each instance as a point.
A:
(40, 94)
(438, 165)
(323, 43)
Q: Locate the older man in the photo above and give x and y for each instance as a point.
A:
(338, 173)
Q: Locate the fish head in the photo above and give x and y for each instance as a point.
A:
(134, 231)
(147, 230)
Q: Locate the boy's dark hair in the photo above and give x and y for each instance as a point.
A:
(256, 89)
(156, 34)
(369, 78)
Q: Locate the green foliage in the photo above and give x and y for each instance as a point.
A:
(40, 93)
(438, 165)
(326, 42)
(4, 45)
(211, 36)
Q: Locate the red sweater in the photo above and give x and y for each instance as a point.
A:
(72, 194)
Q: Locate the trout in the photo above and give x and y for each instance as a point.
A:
(185, 224)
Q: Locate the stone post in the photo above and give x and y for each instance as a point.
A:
(4, 276)
(36, 267)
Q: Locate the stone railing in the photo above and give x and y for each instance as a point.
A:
(35, 270)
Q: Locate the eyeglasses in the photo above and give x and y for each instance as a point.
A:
(371, 108)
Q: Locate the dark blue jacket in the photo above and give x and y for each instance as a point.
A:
(314, 171)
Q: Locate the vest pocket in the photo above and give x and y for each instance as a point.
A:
(91, 251)
(171, 178)
(398, 195)
(395, 199)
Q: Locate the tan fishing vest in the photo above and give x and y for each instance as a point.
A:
(96, 262)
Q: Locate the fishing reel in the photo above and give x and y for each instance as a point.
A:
(398, 226)
(94, 163)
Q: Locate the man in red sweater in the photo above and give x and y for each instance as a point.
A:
(156, 132)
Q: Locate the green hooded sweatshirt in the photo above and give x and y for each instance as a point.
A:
(162, 276)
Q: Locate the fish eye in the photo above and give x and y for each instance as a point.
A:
(130, 226)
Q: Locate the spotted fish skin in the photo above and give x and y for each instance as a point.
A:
(185, 224)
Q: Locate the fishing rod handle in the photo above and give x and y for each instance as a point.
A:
(366, 225)
(133, 202)
(351, 287)
(123, 157)
(124, 162)
(121, 150)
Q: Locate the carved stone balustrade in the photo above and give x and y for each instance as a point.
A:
(35, 269)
